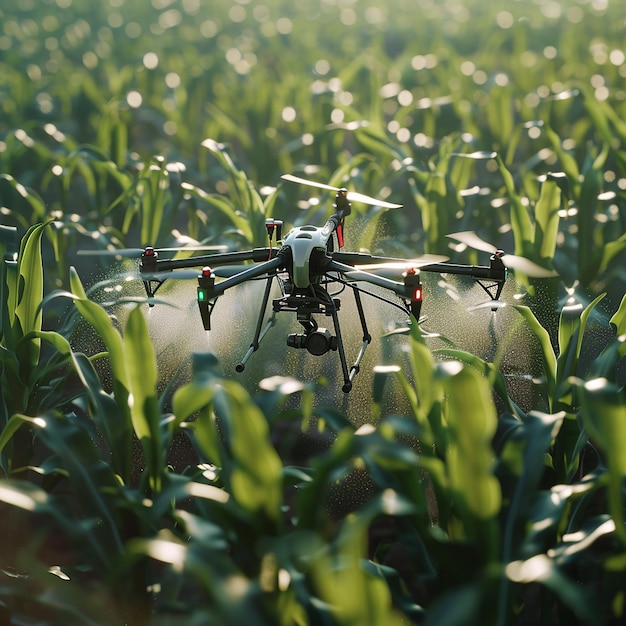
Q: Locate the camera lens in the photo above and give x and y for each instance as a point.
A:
(319, 342)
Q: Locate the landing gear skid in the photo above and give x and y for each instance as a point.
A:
(314, 300)
(261, 330)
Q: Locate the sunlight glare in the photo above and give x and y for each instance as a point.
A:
(167, 552)
(534, 569)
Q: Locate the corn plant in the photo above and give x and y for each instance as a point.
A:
(598, 242)
(146, 548)
(549, 465)
(33, 377)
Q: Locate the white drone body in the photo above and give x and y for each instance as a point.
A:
(302, 241)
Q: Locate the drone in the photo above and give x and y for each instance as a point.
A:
(311, 270)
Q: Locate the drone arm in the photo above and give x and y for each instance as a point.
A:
(252, 272)
(261, 330)
(410, 290)
(494, 273)
(358, 258)
(475, 271)
(381, 281)
(490, 278)
(208, 291)
(257, 255)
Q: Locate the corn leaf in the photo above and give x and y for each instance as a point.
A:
(144, 408)
(547, 220)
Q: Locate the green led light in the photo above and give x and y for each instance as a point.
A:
(201, 295)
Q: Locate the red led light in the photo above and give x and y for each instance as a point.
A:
(149, 251)
(417, 294)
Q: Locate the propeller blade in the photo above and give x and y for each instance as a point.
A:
(519, 263)
(135, 253)
(352, 195)
(132, 253)
(471, 239)
(493, 305)
(224, 271)
(310, 183)
(214, 248)
(394, 269)
(403, 264)
(169, 275)
(384, 272)
(526, 266)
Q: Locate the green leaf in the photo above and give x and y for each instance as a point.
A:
(568, 162)
(523, 455)
(190, 398)
(117, 412)
(610, 250)
(520, 220)
(422, 364)
(29, 195)
(103, 325)
(241, 444)
(542, 569)
(239, 220)
(8, 290)
(30, 295)
(142, 372)
(144, 407)
(589, 252)
(256, 475)
(603, 410)
(571, 335)
(493, 374)
(355, 594)
(436, 225)
(547, 352)
(15, 391)
(92, 481)
(154, 197)
(24, 495)
(547, 220)
(377, 142)
(196, 398)
(472, 422)
(501, 115)
(11, 427)
(111, 419)
(619, 321)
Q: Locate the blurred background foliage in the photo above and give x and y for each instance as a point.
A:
(93, 93)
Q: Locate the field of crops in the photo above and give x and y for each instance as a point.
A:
(475, 475)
